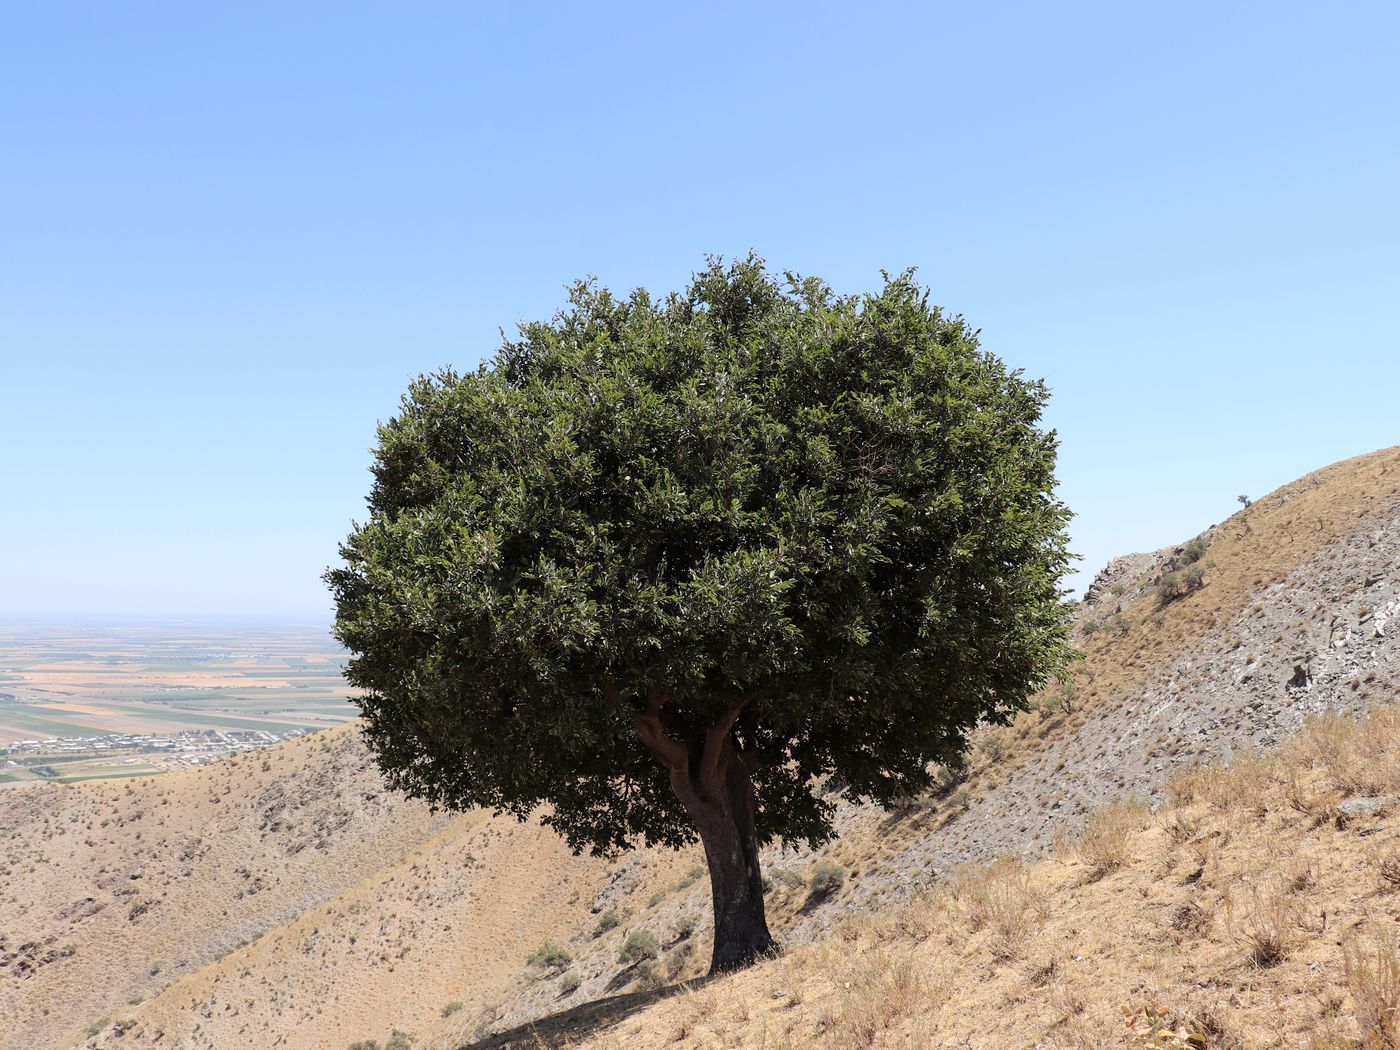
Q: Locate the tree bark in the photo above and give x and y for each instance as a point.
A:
(714, 782)
(721, 804)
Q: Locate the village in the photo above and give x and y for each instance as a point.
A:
(68, 759)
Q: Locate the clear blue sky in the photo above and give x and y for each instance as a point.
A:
(230, 234)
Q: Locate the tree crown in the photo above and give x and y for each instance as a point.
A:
(825, 524)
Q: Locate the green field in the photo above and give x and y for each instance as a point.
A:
(40, 722)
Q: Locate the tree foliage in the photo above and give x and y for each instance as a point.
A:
(821, 527)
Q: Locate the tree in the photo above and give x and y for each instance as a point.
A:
(678, 567)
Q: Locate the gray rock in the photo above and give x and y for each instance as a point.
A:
(1367, 805)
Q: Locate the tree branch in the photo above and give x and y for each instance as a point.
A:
(717, 734)
(653, 734)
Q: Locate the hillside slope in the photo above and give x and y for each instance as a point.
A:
(1297, 615)
(111, 891)
(1259, 908)
(367, 914)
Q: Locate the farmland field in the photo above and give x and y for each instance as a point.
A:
(228, 685)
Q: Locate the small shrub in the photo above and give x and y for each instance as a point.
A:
(451, 1008)
(678, 958)
(946, 778)
(1153, 1029)
(1047, 705)
(398, 1041)
(1001, 899)
(1179, 583)
(1191, 552)
(993, 747)
(639, 946)
(656, 898)
(1389, 868)
(1115, 624)
(874, 997)
(690, 877)
(1267, 927)
(787, 877)
(568, 984)
(609, 920)
(826, 879)
(684, 927)
(549, 956)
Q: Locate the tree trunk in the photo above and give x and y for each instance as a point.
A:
(720, 801)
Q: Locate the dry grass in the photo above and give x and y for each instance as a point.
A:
(1233, 911)
(1264, 923)
(876, 993)
(1373, 979)
(1000, 902)
(1105, 843)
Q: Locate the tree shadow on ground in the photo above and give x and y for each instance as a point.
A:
(571, 1025)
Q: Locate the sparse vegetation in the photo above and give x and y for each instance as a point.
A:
(1372, 968)
(1192, 551)
(398, 1040)
(609, 920)
(1112, 623)
(451, 1008)
(1103, 845)
(1179, 583)
(640, 945)
(1227, 874)
(1266, 924)
(549, 956)
(1183, 572)
(787, 878)
(1001, 900)
(826, 879)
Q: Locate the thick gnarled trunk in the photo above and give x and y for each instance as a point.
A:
(714, 781)
(722, 809)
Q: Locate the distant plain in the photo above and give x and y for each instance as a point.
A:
(67, 681)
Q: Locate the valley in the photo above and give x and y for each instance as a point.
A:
(80, 702)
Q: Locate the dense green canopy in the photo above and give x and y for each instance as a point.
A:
(818, 529)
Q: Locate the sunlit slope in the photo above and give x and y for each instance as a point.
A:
(1257, 909)
(110, 892)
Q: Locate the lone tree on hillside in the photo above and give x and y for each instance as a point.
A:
(670, 565)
